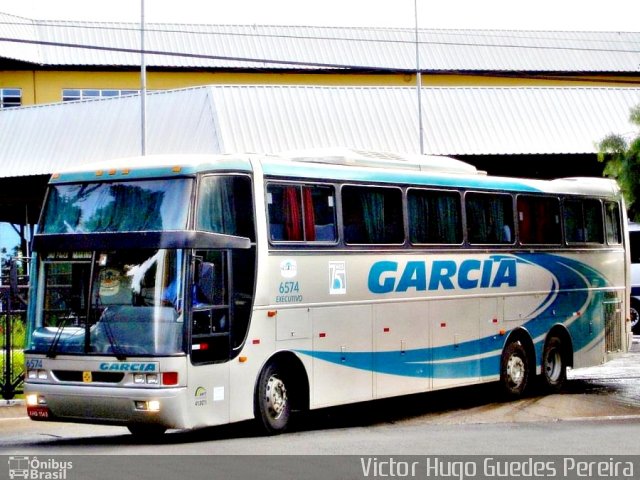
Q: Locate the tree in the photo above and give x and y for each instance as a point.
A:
(622, 159)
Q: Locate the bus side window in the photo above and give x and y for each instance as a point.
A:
(612, 223)
(489, 218)
(539, 220)
(301, 213)
(594, 226)
(225, 205)
(372, 215)
(320, 201)
(434, 216)
(583, 221)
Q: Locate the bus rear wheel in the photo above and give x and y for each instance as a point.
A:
(272, 404)
(554, 366)
(514, 370)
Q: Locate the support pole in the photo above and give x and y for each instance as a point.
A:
(143, 86)
(418, 80)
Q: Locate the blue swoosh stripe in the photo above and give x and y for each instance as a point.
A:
(461, 360)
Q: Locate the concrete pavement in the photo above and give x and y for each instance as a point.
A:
(12, 409)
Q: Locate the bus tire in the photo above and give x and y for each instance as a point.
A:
(514, 370)
(634, 311)
(554, 365)
(145, 430)
(272, 404)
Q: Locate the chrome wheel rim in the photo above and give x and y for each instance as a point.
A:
(276, 397)
(635, 316)
(553, 365)
(515, 370)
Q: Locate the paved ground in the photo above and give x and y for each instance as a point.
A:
(611, 390)
(12, 408)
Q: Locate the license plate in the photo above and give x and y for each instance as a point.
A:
(87, 377)
(38, 412)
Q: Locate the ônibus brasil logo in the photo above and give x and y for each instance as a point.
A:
(37, 469)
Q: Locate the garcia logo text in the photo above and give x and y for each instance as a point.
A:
(419, 275)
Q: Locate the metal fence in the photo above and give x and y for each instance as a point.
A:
(13, 305)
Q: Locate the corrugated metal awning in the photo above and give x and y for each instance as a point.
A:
(230, 119)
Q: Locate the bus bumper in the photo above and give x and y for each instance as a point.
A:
(108, 405)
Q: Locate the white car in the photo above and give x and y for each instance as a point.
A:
(634, 237)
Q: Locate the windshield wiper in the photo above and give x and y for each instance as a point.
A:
(53, 348)
(115, 348)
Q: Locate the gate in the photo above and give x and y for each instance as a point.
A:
(13, 305)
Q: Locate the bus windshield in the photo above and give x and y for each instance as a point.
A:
(142, 205)
(115, 303)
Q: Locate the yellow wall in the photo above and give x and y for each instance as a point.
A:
(22, 80)
(39, 87)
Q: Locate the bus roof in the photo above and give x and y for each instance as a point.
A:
(366, 158)
(337, 164)
(153, 166)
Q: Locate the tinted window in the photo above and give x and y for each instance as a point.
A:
(583, 221)
(301, 213)
(539, 220)
(489, 218)
(434, 216)
(612, 223)
(372, 215)
(118, 206)
(225, 205)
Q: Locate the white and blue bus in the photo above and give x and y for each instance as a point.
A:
(187, 291)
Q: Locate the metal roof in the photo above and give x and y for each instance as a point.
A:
(267, 119)
(303, 47)
(20, 29)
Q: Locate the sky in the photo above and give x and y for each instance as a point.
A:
(585, 15)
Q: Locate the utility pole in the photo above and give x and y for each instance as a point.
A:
(143, 86)
(418, 80)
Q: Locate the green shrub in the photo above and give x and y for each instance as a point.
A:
(17, 363)
(18, 331)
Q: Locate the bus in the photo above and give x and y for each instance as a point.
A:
(178, 292)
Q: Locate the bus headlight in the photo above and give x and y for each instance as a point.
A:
(147, 405)
(145, 378)
(33, 400)
(37, 374)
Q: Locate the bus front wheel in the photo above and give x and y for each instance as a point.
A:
(272, 403)
(514, 370)
(554, 366)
